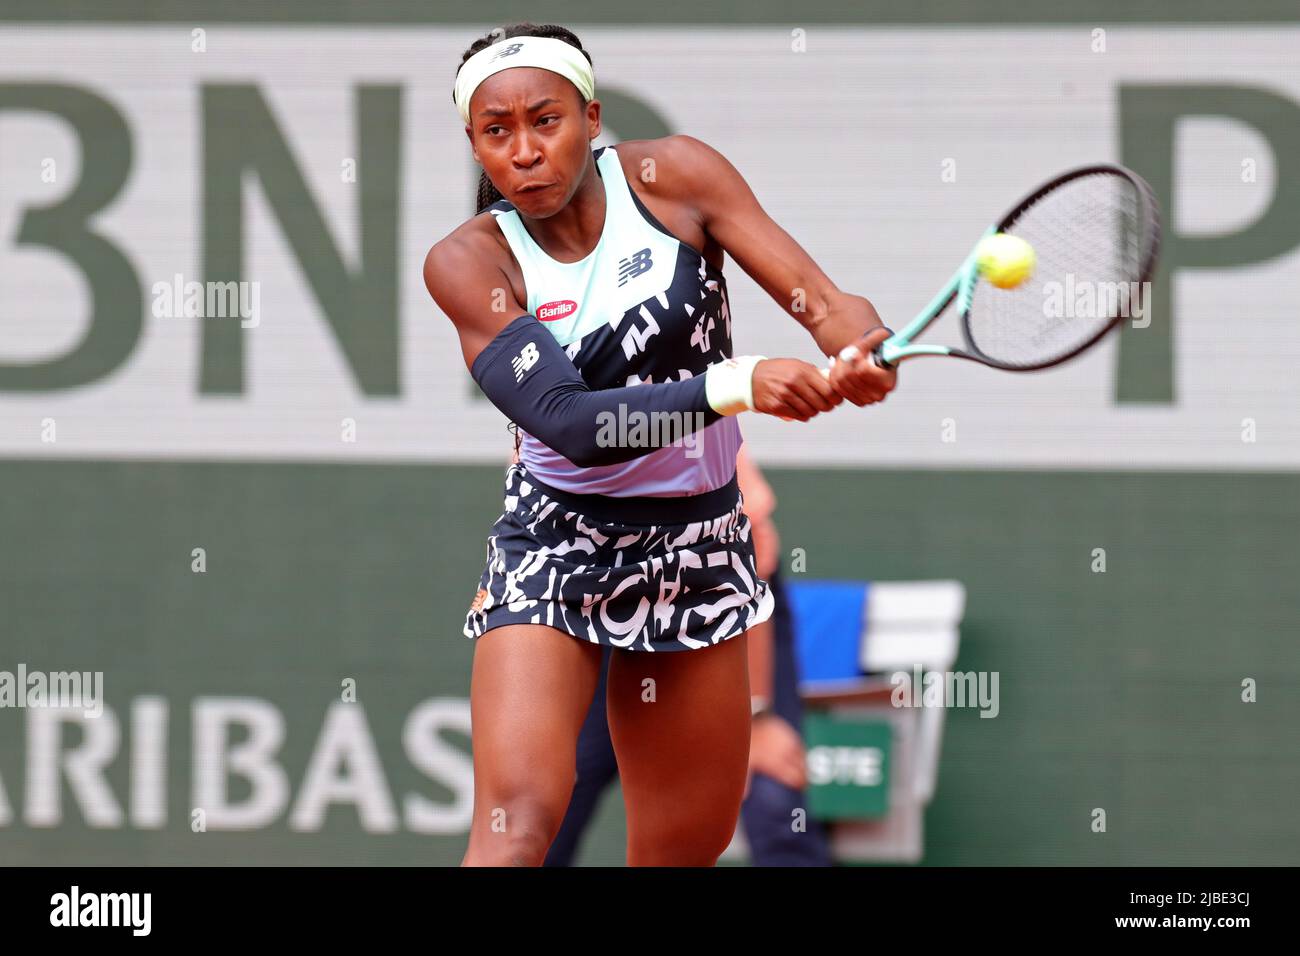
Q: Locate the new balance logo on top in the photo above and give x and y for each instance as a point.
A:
(525, 360)
(634, 265)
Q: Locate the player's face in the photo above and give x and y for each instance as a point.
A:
(529, 128)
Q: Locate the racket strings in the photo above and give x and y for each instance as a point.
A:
(1087, 235)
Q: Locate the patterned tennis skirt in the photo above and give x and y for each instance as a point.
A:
(647, 581)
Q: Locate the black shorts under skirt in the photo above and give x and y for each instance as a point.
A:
(643, 574)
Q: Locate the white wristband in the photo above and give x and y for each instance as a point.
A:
(729, 385)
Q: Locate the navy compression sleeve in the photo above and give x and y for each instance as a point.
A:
(526, 374)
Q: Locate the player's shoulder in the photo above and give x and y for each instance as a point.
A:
(477, 241)
(459, 266)
(676, 167)
(675, 148)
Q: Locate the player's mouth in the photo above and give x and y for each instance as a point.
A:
(534, 187)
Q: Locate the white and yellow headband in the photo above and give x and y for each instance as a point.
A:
(546, 53)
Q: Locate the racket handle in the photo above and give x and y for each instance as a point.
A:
(876, 358)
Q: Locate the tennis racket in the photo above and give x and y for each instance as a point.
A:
(1097, 225)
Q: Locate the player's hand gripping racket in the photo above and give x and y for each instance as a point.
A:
(1095, 226)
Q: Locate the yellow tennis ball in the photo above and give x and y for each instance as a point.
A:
(1006, 261)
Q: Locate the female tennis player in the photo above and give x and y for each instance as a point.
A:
(591, 307)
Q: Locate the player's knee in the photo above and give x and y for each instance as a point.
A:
(518, 831)
(682, 842)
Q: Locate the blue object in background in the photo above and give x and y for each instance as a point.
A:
(828, 628)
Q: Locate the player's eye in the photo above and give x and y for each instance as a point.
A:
(550, 116)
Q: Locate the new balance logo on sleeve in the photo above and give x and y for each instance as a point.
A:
(525, 360)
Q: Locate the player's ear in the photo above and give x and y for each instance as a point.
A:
(593, 119)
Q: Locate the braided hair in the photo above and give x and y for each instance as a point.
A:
(487, 193)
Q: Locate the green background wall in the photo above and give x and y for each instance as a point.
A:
(1118, 690)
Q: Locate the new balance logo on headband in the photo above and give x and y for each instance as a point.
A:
(506, 51)
(525, 360)
(634, 265)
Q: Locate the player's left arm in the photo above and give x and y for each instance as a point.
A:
(731, 214)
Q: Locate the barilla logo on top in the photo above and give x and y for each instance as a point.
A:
(559, 309)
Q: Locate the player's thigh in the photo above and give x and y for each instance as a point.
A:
(531, 688)
(680, 724)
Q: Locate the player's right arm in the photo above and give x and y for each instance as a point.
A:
(527, 375)
(464, 276)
